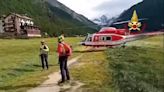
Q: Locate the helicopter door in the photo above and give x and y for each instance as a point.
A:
(96, 38)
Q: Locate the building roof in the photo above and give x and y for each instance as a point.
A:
(21, 16)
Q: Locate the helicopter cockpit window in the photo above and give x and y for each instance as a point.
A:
(89, 39)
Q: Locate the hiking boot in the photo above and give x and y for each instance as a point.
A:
(61, 83)
(68, 81)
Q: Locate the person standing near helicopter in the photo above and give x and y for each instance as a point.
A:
(44, 54)
(64, 51)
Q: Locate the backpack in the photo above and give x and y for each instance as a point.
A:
(67, 48)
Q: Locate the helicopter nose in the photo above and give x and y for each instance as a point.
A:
(82, 43)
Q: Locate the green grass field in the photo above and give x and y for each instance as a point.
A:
(136, 68)
(92, 71)
(20, 67)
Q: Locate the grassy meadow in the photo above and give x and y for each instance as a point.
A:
(91, 70)
(138, 67)
(20, 67)
(135, 68)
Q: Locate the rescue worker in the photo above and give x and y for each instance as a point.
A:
(64, 51)
(44, 54)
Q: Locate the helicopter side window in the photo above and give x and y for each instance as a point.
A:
(108, 38)
(104, 38)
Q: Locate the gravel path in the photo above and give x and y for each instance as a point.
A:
(50, 85)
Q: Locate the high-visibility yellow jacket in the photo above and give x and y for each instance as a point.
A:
(44, 49)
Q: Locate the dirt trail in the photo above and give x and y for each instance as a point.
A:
(50, 85)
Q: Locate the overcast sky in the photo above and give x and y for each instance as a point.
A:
(95, 8)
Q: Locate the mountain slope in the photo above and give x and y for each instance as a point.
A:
(151, 9)
(104, 20)
(73, 14)
(49, 18)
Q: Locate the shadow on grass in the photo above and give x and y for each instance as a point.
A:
(18, 86)
(37, 65)
(19, 69)
(88, 51)
(26, 86)
(23, 70)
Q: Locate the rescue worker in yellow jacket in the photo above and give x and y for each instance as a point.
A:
(44, 54)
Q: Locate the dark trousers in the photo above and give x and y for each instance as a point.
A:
(64, 68)
(44, 60)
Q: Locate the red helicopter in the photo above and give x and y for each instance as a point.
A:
(110, 36)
